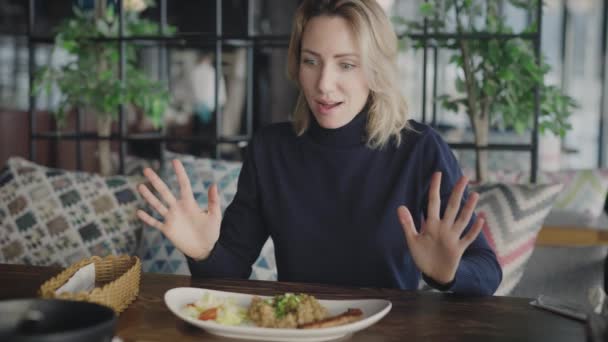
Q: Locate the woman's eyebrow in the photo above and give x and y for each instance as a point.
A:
(338, 55)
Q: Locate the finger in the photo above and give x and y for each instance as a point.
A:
(160, 186)
(434, 196)
(454, 202)
(149, 220)
(472, 234)
(214, 201)
(466, 213)
(152, 200)
(182, 178)
(407, 223)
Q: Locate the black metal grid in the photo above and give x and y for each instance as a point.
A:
(535, 37)
(251, 42)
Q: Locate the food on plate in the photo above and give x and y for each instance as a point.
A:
(222, 310)
(349, 316)
(285, 311)
(288, 310)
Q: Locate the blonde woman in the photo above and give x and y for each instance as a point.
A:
(344, 189)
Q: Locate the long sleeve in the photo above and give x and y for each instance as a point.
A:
(242, 233)
(479, 272)
(329, 202)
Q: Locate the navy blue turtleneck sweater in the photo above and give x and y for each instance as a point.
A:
(329, 203)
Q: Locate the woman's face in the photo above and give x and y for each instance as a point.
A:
(330, 74)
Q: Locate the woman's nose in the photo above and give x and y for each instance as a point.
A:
(327, 80)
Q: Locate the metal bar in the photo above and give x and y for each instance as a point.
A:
(78, 140)
(435, 68)
(122, 69)
(243, 138)
(468, 36)
(493, 147)
(16, 65)
(237, 139)
(424, 68)
(206, 36)
(250, 61)
(202, 36)
(163, 70)
(564, 34)
(117, 137)
(196, 43)
(218, 73)
(537, 98)
(433, 102)
(601, 158)
(31, 65)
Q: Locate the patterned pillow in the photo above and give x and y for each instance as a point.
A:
(500, 176)
(584, 191)
(56, 217)
(513, 215)
(158, 253)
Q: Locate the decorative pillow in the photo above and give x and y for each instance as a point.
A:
(135, 165)
(500, 176)
(158, 253)
(584, 191)
(56, 217)
(513, 215)
(265, 267)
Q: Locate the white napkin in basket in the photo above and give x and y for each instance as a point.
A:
(82, 280)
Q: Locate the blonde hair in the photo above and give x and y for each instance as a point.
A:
(387, 108)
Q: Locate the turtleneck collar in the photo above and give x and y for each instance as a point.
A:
(353, 133)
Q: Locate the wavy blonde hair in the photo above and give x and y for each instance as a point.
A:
(387, 108)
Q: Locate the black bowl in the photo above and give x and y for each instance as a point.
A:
(50, 320)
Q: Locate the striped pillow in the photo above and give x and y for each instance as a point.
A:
(513, 215)
(584, 190)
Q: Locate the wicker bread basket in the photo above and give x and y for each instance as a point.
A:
(116, 281)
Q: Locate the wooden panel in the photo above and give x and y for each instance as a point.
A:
(14, 136)
(571, 236)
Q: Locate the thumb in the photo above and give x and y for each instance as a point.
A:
(407, 223)
(213, 201)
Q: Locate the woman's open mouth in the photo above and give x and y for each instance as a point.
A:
(327, 107)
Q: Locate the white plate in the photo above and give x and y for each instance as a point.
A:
(373, 311)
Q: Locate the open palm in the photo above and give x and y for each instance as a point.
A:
(438, 247)
(192, 230)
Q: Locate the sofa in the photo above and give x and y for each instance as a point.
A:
(57, 217)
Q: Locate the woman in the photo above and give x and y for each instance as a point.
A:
(343, 190)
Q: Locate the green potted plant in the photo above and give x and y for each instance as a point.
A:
(498, 76)
(91, 80)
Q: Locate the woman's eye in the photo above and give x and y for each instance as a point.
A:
(309, 61)
(347, 66)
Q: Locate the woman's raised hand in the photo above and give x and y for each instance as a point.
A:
(438, 247)
(193, 230)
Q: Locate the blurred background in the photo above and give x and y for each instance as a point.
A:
(247, 41)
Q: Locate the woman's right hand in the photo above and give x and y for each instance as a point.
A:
(192, 230)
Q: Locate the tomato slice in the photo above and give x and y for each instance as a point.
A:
(208, 314)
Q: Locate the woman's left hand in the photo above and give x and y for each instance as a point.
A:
(438, 247)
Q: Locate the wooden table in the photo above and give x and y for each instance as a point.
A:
(415, 316)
